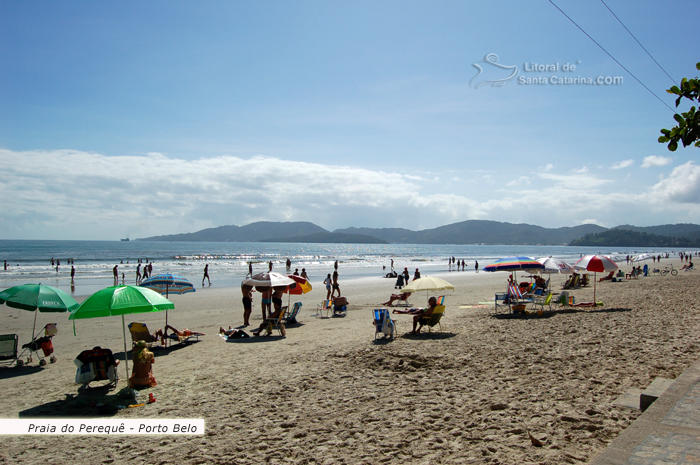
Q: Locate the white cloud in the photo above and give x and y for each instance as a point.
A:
(623, 164)
(655, 160)
(79, 195)
(581, 170)
(682, 185)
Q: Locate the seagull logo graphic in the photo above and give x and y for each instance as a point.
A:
(492, 71)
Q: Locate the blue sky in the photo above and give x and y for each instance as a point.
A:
(148, 118)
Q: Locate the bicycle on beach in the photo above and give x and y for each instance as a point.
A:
(668, 269)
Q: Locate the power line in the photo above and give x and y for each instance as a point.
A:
(608, 53)
(640, 44)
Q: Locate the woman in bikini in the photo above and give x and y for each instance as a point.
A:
(142, 373)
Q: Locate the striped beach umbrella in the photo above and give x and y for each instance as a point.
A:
(514, 264)
(167, 283)
(596, 264)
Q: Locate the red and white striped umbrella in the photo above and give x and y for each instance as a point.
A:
(596, 264)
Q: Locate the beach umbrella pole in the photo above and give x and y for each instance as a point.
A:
(126, 359)
(34, 327)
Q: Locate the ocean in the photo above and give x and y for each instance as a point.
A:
(30, 261)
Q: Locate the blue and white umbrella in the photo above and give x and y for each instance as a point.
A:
(168, 284)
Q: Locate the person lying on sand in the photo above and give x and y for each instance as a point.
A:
(233, 333)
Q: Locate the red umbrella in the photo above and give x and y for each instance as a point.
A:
(302, 285)
(596, 264)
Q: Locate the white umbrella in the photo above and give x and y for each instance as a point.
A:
(268, 279)
(555, 265)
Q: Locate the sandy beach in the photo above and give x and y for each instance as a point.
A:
(328, 393)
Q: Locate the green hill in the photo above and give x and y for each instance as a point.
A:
(627, 238)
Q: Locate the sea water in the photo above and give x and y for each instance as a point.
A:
(30, 261)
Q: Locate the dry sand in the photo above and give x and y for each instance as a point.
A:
(328, 393)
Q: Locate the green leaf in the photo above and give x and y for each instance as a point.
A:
(673, 146)
(674, 90)
(663, 139)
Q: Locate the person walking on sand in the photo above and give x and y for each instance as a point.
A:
(138, 274)
(206, 274)
(115, 272)
(250, 269)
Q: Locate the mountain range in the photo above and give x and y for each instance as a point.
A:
(465, 232)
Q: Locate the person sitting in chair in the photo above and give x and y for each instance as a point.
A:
(608, 277)
(142, 373)
(687, 266)
(432, 303)
(266, 323)
(394, 297)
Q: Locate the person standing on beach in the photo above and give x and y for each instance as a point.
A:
(289, 264)
(5, 265)
(265, 300)
(115, 272)
(476, 265)
(336, 286)
(329, 285)
(138, 274)
(250, 269)
(416, 275)
(72, 274)
(206, 274)
(247, 303)
(392, 264)
(335, 265)
(270, 265)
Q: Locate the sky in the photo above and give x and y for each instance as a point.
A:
(140, 118)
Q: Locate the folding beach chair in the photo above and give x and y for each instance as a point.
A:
(291, 318)
(140, 332)
(41, 345)
(272, 323)
(383, 324)
(171, 338)
(324, 306)
(433, 319)
(8, 350)
(543, 301)
(96, 364)
(340, 306)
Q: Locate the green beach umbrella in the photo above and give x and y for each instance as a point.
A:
(38, 298)
(121, 300)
